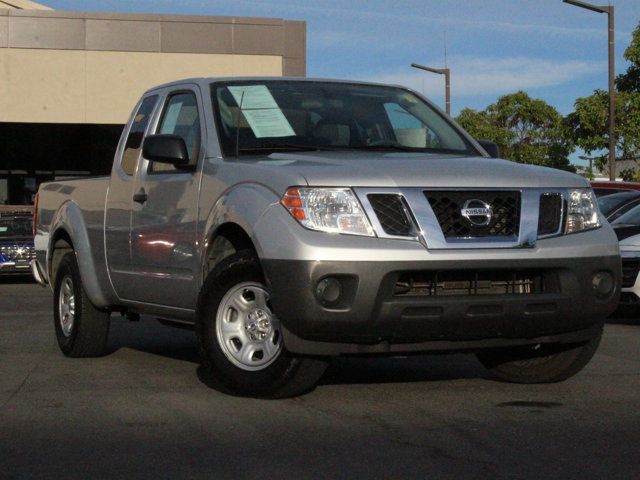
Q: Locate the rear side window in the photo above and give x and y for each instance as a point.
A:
(134, 139)
(180, 117)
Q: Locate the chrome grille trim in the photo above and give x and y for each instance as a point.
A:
(427, 228)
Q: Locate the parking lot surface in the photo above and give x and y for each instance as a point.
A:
(141, 412)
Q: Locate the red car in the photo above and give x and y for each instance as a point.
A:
(608, 187)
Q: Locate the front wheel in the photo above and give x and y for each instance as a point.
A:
(239, 336)
(541, 363)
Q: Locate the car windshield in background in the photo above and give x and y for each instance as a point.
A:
(261, 117)
(609, 203)
(15, 227)
(632, 217)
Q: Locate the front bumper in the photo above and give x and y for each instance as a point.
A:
(630, 278)
(372, 319)
(15, 267)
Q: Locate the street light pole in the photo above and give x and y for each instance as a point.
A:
(612, 91)
(584, 157)
(612, 97)
(447, 82)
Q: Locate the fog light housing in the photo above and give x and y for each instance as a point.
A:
(329, 291)
(603, 284)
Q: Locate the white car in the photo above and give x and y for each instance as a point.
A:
(627, 228)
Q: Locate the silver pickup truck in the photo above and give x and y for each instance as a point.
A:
(291, 220)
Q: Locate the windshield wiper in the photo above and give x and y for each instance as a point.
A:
(287, 147)
(388, 146)
(405, 148)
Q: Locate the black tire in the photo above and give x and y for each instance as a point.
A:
(285, 375)
(86, 335)
(542, 363)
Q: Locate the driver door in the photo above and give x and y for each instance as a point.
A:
(165, 209)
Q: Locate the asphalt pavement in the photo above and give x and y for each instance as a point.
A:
(141, 412)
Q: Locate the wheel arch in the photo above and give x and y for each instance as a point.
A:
(71, 233)
(61, 243)
(229, 226)
(226, 240)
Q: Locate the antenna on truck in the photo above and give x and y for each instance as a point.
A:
(238, 126)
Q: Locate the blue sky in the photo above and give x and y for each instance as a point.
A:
(550, 49)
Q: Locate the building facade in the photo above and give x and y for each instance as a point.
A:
(68, 80)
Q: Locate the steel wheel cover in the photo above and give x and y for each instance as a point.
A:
(247, 331)
(66, 306)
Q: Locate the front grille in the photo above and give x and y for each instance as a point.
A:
(391, 213)
(505, 218)
(630, 269)
(14, 252)
(550, 216)
(478, 282)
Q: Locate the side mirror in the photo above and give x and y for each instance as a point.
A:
(490, 147)
(166, 149)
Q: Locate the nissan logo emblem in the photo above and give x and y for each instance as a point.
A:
(477, 212)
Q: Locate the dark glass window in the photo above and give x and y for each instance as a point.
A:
(13, 227)
(180, 117)
(134, 139)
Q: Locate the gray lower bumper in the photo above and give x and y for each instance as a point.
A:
(374, 319)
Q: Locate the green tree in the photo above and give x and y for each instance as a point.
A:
(630, 80)
(482, 126)
(526, 129)
(589, 123)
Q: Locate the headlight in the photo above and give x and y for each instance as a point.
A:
(582, 211)
(335, 210)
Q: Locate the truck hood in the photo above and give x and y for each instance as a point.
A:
(406, 169)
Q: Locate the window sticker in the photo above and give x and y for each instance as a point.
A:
(261, 111)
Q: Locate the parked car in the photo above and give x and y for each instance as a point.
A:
(290, 220)
(616, 204)
(602, 188)
(16, 242)
(627, 228)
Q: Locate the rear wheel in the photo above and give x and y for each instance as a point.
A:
(541, 363)
(81, 329)
(239, 336)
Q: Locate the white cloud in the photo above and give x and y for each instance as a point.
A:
(472, 76)
(419, 17)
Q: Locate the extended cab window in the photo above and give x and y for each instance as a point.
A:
(134, 139)
(180, 117)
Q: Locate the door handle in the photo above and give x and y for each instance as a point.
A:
(140, 197)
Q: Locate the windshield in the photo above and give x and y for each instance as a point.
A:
(15, 227)
(611, 202)
(260, 117)
(632, 217)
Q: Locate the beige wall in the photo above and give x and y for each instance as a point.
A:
(77, 86)
(79, 67)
